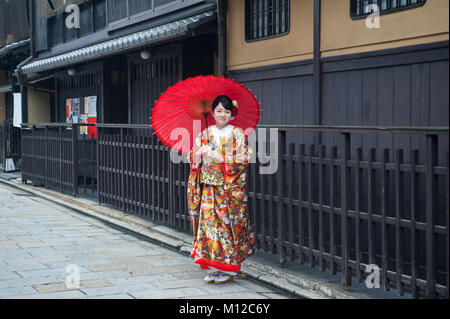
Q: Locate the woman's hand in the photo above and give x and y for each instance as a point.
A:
(215, 156)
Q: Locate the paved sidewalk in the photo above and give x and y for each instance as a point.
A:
(44, 245)
(292, 278)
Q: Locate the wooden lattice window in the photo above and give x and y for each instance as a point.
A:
(266, 18)
(362, 8)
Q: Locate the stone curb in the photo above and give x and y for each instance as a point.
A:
(296, 284)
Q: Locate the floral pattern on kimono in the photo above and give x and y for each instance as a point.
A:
(217, 203)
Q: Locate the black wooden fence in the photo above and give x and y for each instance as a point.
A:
(342, 207)
(48, 159)
(10, 146)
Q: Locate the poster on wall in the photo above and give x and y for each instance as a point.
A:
(83, 110)
(75, 110)
(83, 119)
(69, 110)
(91, 102)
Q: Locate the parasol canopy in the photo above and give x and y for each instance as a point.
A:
(184, 109)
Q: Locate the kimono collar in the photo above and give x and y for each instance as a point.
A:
(223, 132)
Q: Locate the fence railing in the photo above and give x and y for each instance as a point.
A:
(340, 206)
(56, 156)
(9, 143)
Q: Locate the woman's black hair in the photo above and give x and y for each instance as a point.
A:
(226, 102)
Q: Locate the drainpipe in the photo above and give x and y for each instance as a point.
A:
(222, 35)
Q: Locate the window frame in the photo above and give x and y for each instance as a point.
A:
(388, 11)
(246, 21)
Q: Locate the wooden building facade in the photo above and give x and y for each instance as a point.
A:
(359, 103)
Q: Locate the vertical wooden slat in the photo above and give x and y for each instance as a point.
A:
(447, 224)
(60, 162)
(253, 170)
(106, 158)
(74, 160)
(321, 194)
(263, 210)
(370, 204)
(413, 207)
(310, 212)
(271, 214)
(122, 168)
(158, 180)
(345, 178)
(93, 161)
(171, 192)
(85, 159)
(135, 184)
(430, 209)
(357, 211)
(47, 155)
(399, 247)
(139, 174)
(153, 156)
(384, 208)
(301, 176)
(148, 170)
(333, 181)
(290, 197)
(281, 179)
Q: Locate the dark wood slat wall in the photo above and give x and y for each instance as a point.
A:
(396, 87)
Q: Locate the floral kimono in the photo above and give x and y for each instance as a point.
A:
(217, 201)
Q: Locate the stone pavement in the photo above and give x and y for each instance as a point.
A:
(43, 246)
(262, 268)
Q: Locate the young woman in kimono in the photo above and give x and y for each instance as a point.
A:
(217, 195)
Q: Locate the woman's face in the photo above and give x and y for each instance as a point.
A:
(222, 116)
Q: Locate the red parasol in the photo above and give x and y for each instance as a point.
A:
(186, 107)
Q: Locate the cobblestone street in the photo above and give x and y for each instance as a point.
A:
(43, 246)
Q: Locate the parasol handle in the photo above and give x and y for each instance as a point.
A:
(206, 122)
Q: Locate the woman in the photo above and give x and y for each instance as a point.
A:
(217, 195)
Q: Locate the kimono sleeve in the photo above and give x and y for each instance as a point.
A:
(195, 162)
(236, 161)
(194, 187)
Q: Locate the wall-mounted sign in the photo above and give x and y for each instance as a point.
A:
(83, 110)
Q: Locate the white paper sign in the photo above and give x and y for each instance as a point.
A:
(92, 106)
(17, 115)
(9, 167)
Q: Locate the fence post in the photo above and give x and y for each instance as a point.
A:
(398, 229)
(171, 190)
(122, 169)
(60, 128)
(74, 160)
(33, 142)
(281, 152)
(46, 156)
(98, 128)
(430, 209)
(384, 209)
(345, 179)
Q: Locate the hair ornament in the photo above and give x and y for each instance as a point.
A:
(235, 103)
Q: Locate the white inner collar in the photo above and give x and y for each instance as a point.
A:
(223, 132)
